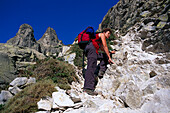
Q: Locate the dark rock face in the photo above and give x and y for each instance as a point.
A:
(14, 59)
(50, 44)
(25, 38)
(152, 17)
(7, 69)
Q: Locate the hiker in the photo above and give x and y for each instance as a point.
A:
(91, 51)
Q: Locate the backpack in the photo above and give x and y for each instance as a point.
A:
(85, 37)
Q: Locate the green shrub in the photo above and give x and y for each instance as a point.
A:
(59, 71)
(26, 100)
(1, 107)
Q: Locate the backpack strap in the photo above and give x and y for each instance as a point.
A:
(84, 70)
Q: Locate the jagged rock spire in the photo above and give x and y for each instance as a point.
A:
(50, 44)
(25, 38)
(50, 38)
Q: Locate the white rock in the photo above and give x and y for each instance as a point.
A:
(126, 110)
(43, 112)
(45, 104)
(160, 103)
(60, 90)
(19, 81)
(5, 96)
(64, 50)
(14, 90)
(31, 80)
(62, 99)
(70, 58)
(74, 96)
(56, 112)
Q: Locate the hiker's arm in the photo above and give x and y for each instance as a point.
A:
(106, 48)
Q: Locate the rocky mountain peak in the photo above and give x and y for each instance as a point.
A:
(50, 38)
(25, 38)
(50, 44)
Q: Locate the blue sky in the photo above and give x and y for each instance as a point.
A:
(66, 17)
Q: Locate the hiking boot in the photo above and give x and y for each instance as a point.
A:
(90, 92)
(101, 73)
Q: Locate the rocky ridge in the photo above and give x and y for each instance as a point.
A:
(138, 82)
(23, 51)
(152, 16)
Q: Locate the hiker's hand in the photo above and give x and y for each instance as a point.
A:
(112, 52)
(110, 61)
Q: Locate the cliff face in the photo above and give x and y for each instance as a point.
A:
(151, 16)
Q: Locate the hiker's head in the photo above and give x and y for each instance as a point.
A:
(107, 32)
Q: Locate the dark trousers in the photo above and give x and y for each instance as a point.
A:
(92, 67)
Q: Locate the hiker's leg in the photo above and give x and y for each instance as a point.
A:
(91, 66)
(103, 61)
(89, 76)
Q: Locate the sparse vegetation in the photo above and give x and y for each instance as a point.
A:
(26, 100)
(1, 107)
(62, 73)
(48, 73)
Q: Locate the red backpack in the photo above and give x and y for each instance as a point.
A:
(85, 37)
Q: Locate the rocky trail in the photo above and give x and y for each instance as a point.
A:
(138, 82)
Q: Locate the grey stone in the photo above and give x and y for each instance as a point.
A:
(5, 95)
(159, 103)
(150, 28)
(45, 104)
(70, 58)
(75, 97)
(14, 90)
(90, 104)
(19, 81)
(62, 99)
(145, 13)
(31, 80)
(163, 17)
(161, 25)
(134, 97)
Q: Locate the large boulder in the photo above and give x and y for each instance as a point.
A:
(7, 70)
(62, 99)
(5, 96)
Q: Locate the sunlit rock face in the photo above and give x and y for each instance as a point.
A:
(25, 38)
(50, 44)
(152, 16)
